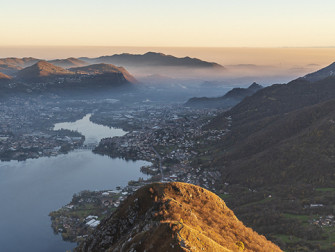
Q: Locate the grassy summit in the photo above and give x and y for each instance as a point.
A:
(174, 217)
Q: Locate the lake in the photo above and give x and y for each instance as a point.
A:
(93, 132)
(30, 189)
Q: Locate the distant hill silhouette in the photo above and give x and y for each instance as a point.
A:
(99, 69)
(68, 63)
(42, 70)
(9, 69)
(47, 77)
(20, 62)
(151, 62)
(11, 66)
(230, 99)
(152, 59)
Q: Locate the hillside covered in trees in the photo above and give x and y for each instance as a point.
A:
(277, 162)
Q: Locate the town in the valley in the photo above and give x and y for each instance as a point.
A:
(170, 141)
(173, 138)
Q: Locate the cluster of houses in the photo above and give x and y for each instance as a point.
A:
(167, 140)
(174, 134)
(27, 133)
(174, 129)
(98, 204)
(35, 145)
(324, 221)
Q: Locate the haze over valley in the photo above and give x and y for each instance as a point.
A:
(145, 126)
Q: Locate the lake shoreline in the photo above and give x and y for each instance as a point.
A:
(41, 185)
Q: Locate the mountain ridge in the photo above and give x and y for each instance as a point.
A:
(92, 75)
(102, 68)
(20, 62)
(174, 217)
(323, 73)
(152, 59)
(231, 98)
(42, 69)
(278, 151)
(68, 63)
(4, 77)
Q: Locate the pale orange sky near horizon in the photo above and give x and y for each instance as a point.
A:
(173, 23)
(286, 33)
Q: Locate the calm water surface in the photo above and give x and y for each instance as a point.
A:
(93, 132)
(31, 189)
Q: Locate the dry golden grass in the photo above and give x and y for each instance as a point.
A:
(202, 222)
(173, 217)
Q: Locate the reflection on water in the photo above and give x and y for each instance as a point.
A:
(93, 132)
(29, 190)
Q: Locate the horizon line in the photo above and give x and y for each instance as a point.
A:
(155, 46)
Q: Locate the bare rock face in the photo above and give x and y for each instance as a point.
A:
(174, 217)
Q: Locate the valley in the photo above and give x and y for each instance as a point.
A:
(167, 126)
(266, 151)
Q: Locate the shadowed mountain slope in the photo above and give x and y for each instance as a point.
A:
(297, 147)
(281, 134)
(230, 99)
(321, 74)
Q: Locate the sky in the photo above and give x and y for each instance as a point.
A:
(170, 23)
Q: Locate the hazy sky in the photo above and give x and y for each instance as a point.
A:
(191, 23)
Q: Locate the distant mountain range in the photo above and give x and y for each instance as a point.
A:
(42, 70)
(174, 217)
(99, 69)
(68, 63)
(18, 62)
(230, 99)
(11, 66)
(152, 59)
(45, 76)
